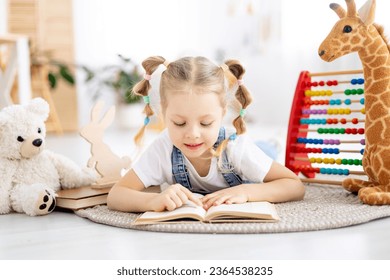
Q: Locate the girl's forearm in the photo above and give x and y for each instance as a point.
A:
(128, 200)
(280, 190)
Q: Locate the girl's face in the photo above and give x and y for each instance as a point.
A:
(193, 122)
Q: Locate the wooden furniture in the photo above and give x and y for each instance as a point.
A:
(14, 68)
(48, 24)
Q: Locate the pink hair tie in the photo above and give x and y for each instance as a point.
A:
(147, 77)
(240, 82)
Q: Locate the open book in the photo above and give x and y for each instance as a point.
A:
(83, 197)
(224, 213)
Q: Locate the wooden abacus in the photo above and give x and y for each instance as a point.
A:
(327, 121)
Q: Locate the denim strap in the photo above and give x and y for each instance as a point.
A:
(228, 173)
(221, 137)
(179, 169)
(180, 173)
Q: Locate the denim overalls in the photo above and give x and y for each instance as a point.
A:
(180, 173)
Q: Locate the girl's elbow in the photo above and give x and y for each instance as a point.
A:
(299, 189)
(110, 201)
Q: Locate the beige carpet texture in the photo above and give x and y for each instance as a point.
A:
(324, 207)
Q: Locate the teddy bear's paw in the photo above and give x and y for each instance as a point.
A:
(44, 204)
(5, 209)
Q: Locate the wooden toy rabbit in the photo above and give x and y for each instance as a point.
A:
(106, 163)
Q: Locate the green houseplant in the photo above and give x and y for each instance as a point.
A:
(118, 78)
(56, 70)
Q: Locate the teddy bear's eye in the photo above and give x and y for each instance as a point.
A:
(20, 139)
(39, 130)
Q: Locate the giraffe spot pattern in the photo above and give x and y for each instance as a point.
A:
(379, 73)
(374, 46)
(355, 40)
(377, 60)
(336, 43)
(370, 59)
(377, 111)
(373, 133)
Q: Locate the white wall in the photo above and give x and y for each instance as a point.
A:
(173, 28)
(217, 29)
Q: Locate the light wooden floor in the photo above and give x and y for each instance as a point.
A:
(63, 235)
(66, 236)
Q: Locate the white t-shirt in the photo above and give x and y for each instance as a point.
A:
(154, 167)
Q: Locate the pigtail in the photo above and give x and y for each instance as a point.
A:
(142, 89)
(242, 95)
(221, 147)
(233, 72)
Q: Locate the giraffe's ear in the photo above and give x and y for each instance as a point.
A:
(367, 12)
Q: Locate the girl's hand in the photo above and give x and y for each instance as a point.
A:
(173, 197)
(227, 196)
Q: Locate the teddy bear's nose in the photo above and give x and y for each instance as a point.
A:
(37, 142)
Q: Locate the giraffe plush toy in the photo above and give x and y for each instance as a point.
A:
(356, 32)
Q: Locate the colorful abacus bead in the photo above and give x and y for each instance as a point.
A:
(336, 161)
(303, 140)
(323, 130)
(354, 91)
(309, 141)
(331, 141)
(313, 121)
(334, 171)
(332, 83)
(357, 81)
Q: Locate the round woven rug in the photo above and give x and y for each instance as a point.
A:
(324, 207)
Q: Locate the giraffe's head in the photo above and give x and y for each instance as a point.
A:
(349, 33)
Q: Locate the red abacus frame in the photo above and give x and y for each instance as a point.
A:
(301, 123)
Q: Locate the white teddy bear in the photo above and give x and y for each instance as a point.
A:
(30, 175)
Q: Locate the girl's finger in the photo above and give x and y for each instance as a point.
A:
(182, 196)
(192, 197)
(176, 199)
(221, 200)
(170, 204)
(211, 202)
(210, 196)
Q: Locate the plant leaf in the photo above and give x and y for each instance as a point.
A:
(52, 80)
(125, 59)
(66, 74)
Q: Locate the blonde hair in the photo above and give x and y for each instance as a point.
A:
(200, 75)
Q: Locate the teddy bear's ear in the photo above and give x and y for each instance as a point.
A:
(39, 106)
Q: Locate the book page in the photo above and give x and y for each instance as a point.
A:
(188, 210)
(249, 210)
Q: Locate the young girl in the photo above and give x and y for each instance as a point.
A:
(195, 154)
